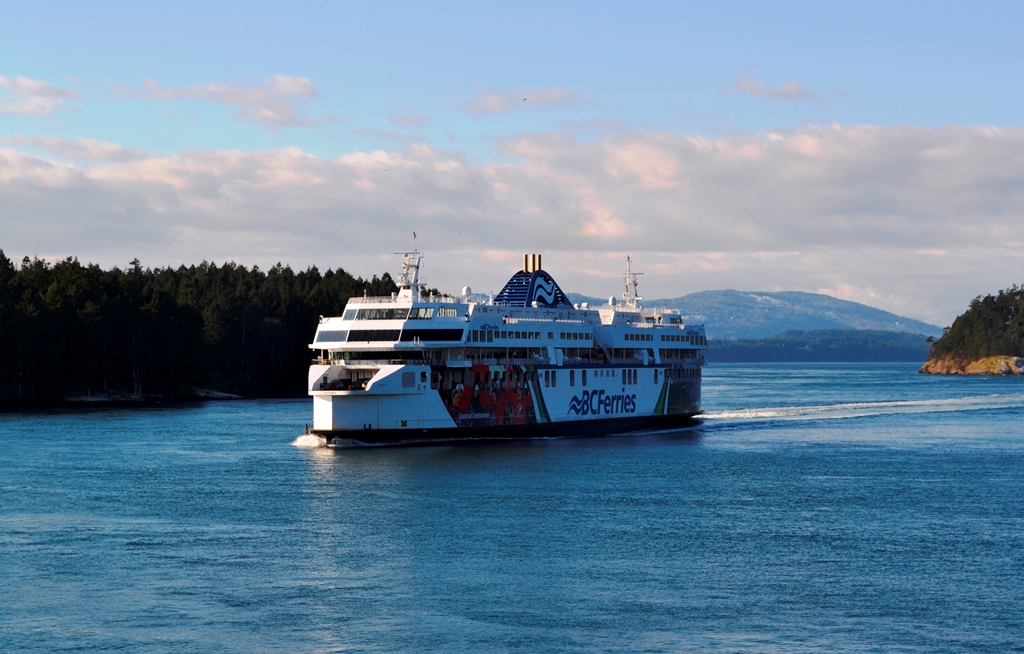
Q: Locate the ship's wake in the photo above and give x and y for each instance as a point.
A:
(309, 441)
(865, 409)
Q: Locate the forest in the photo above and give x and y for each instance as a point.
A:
(69, 330)
(993, 325)
(821, 345)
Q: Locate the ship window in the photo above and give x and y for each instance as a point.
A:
(490, 337)
(423, 378)
(328, 335)
(623, 376)
(655, 376)
(474, 336)
(374, 335)
(382, 314)
(554, 377)
(547, 377)
(447, 312)
(431, 335)
(584, 376)
(572, 377)
(551, 335)
(350, 314)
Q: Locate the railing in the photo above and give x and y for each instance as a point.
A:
(387, 299)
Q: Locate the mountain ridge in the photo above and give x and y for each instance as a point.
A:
(731, 314)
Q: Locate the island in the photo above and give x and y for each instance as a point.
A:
(987, 339)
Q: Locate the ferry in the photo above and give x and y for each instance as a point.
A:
(418, 367)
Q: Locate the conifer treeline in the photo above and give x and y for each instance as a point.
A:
(992, 326)
(68, 329)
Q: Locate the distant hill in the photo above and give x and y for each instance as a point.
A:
(821, 345)
(745, 314)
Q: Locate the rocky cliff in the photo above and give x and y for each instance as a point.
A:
(1001, 365)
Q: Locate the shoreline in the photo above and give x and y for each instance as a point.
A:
(133, 402)
(997, 365)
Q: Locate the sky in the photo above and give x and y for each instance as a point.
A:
(870, 151)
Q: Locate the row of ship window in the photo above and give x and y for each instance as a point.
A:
(639, 337)
(414, 313)
(388, 335)
(693, 339)
(629, 376)
(489, 336)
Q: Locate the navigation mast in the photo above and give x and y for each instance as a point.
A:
(409, 284)
(632, 283)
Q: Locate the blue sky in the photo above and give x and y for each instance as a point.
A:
(870, 151)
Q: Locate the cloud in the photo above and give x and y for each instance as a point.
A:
(80, 148)
(281, 101)
(501, 102)
(29, 97)
(861, 210)
(788, 90)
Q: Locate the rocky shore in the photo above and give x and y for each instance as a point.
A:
(1001, 365)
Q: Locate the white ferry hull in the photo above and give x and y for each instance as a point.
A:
(614, 400)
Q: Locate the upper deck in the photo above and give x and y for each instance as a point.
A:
(531, 313)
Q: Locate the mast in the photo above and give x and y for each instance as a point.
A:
(409, 285)
(631, 281)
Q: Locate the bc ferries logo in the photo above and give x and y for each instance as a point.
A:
(544, 291)
(601, 403)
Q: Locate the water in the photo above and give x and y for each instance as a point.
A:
(819, 508)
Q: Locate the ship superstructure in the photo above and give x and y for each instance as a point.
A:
(418, 367)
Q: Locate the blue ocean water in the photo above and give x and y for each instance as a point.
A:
(819, 507)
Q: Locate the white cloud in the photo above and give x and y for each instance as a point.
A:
(908, 219)
(80, 148)
(501, 102)
(788, 90)
(29, 97)
(281, 101)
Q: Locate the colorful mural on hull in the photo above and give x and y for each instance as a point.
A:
(488, 396)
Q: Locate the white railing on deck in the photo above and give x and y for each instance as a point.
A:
(394, 300)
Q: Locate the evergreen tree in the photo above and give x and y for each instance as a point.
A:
(68, 330)
(991, 326)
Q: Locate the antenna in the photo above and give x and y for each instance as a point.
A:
(632, 283)
(410, 277)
